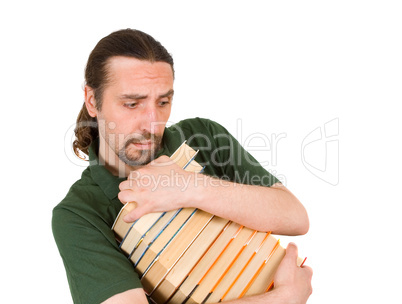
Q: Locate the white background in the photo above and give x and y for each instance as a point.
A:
(285, 68)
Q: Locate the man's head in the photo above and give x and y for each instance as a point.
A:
(128, 92)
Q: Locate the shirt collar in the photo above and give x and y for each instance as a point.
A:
(102, 176)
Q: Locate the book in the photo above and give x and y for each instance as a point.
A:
(132, 235)
(225, 260)
(184, 157)
(214, 252)
(249, 270)
(235, 268)
(175, 250)
(264, 279)
(120, 227)
(152, 234)
(166, 236)
(190, 258)
(138, 231)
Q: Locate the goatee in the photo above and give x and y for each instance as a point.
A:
(138, 157)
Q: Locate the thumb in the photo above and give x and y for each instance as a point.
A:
(291, 253)
(135, 214)
(130, 217)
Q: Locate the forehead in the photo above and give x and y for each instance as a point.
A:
(132, 69)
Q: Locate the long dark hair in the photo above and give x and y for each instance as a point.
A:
(128, 43)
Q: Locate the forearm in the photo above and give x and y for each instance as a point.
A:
(261, 208)
(273, 208)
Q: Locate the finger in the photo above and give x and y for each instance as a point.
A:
(308, 269)
(130, 183)
(292, 249)
(127, 196)
(130, 206)
(131, 216)
(291, 253)
(135, 214)
(124, 185)
(162, 161)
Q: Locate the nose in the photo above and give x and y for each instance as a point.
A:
(149, 119)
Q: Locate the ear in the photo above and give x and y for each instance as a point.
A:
(90, 101)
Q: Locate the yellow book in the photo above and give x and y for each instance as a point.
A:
(183, 156)
(174, 250)
(235, 269)
(120, 227)
(160, 243)
(189, 259)
(247, 274)
(138, 231)
(221, 264)
(206, 262)
(265, 277)
(152, 235)
(131, 235)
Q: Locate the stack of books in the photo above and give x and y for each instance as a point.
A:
(191, 256)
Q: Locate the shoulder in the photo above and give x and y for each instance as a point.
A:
(72, 209)
(83, 217)
(199, 133)
(85, 205)
(78, 194)
(194, 126)
(199, 123)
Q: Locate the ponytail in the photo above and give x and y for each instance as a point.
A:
(86, 130)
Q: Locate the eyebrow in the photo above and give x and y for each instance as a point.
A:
(139, 96)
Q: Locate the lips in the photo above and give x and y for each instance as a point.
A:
(146, 141)
(143, 145)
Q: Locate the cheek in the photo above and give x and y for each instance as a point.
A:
(122, 132)
(163, 118)
(115, 130)
(159, 127)
(121, 123)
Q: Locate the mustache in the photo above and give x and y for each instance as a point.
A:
(138, 138)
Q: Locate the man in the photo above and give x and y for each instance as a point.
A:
(122, 128)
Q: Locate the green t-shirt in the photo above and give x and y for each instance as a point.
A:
(96, 268)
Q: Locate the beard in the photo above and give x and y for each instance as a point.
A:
(138, 157)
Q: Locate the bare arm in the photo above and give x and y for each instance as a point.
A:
(261, 208)
(292, 286)
(157, 187)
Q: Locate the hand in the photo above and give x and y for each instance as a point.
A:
(158, 186)
(292, 281)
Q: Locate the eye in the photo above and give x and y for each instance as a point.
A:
(130, 105)
(163, 103)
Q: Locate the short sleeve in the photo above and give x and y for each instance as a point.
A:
(233, 162)
(96, 268)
